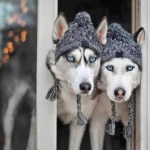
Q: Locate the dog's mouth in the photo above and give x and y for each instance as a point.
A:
(119, 99)
(85, 94)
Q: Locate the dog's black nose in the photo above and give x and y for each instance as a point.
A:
(120, 92)
(85, 87)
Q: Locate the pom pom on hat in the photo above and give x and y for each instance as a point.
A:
(82, 19)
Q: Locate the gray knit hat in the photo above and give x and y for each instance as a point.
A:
(81, 33)
(121, 44)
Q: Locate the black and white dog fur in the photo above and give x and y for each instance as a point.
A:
(71, 76)
(110, 81)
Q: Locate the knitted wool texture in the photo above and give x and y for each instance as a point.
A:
(81, 33)
(121, 44)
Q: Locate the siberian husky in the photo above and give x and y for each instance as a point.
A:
(71, 78)
(127, 81)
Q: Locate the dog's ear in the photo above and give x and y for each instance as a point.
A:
(102, 30)
(60, 27)
(139, 36)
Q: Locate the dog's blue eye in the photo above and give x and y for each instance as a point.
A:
(130, 68)
(70, 58)
(110, 68)
(92, 59)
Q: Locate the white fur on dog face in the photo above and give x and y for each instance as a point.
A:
(119, 77)
(79, 71)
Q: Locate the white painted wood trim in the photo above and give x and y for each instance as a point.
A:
(143, 95)
(46, 110)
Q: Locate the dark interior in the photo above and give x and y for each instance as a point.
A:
(116, 11)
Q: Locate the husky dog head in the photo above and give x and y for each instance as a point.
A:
(121, 63)
(76, 58)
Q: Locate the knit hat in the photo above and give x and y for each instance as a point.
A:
(81, 32)
(121, 44)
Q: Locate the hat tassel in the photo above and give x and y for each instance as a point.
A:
(81, 120)
(127, 130)
(110, 127)
(52, 92)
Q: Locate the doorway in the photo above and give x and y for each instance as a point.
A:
(118, 11)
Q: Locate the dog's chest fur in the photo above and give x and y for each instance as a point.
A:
(103, 108)
(67, 105)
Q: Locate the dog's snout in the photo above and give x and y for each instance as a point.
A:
(85, 87)
(120, 92)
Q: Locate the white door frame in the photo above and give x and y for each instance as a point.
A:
(142, 96)
(46, 110)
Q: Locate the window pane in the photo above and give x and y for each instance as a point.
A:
(18, 40)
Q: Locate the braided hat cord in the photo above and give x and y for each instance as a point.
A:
(110, 127)
(81, 120)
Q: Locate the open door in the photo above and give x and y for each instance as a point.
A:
(119, 11)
